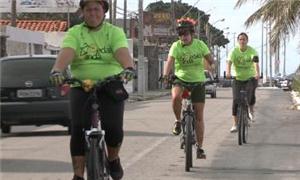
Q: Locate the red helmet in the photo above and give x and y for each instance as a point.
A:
(104, 4)
(186, 24)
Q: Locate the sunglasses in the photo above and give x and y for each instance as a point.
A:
(184, 32)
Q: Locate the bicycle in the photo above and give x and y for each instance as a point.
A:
(188, 139)
(243, 113)
(96, 150)
(188, 126)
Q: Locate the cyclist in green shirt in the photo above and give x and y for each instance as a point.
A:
(246, 72)
(187, 56)
(94, 50)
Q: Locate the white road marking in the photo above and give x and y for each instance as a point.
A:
(143, 153)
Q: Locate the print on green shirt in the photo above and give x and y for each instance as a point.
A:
(243, 65)
(95, 51)
(189, 65)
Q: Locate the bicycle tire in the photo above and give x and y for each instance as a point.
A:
(188, 142)
(95, 161)
(245, 126)
(240, 115)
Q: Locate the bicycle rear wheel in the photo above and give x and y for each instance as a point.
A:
(188, 142)
(96, 161)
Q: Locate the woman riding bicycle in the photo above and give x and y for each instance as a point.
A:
(94, 50)
(187, 53)
(246, 72)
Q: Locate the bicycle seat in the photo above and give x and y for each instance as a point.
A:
(186, 94)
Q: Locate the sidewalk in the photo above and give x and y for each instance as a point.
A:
(149, 95)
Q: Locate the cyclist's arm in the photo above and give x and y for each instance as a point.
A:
(64, 58)
(228, 69)
(257, 70)
(168, 65)
(211, 63)
(123, 57)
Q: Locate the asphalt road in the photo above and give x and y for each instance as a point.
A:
(150, 152)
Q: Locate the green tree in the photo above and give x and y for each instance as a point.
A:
(284, 16)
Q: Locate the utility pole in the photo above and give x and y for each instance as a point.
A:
(114, 12)
(262, 49)
(284, 55)
(270, 54)
(110, 11)
(173, 17)
(141, 60)
(234, 39)
(267, 52)
(14, 13)
(125, 17)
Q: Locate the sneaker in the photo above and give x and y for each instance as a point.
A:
(77, 178)
(200, 153)
(233, 129)
(177, 128)
(251, 116)
(115, 169)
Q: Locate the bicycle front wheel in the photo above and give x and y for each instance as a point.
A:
(96, 161)
(188, 142)
(240, 116)
(245, 126)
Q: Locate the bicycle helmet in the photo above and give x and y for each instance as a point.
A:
(104, 4)
(186, 24)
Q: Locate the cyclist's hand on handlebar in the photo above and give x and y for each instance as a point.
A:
(228, 76)
(56, 78)
(128, 74)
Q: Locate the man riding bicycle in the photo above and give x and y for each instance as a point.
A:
(246, 72)
(94, 50)
(188, 53)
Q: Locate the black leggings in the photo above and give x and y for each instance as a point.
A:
(111, 114)
(250, 86)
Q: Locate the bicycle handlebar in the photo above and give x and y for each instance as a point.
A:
(89, 84)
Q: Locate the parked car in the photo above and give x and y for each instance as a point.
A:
(27, 98)
(210, 88)
(286, 84)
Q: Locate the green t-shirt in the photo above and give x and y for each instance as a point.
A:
(94, 57)
(242, 64)
(189, 65)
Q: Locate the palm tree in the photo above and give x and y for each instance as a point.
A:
(284, 16)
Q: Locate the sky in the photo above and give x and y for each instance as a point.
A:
(234, 19)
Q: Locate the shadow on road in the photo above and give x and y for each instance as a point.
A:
(144, 133)
(34, 166)
(35, 133)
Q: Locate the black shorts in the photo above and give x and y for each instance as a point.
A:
(111, 113)
(198, 92)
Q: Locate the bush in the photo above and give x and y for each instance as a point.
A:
(296, 83)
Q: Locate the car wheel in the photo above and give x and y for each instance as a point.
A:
(5, 129)
(69, 129)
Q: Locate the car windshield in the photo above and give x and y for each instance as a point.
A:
(15, 71)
